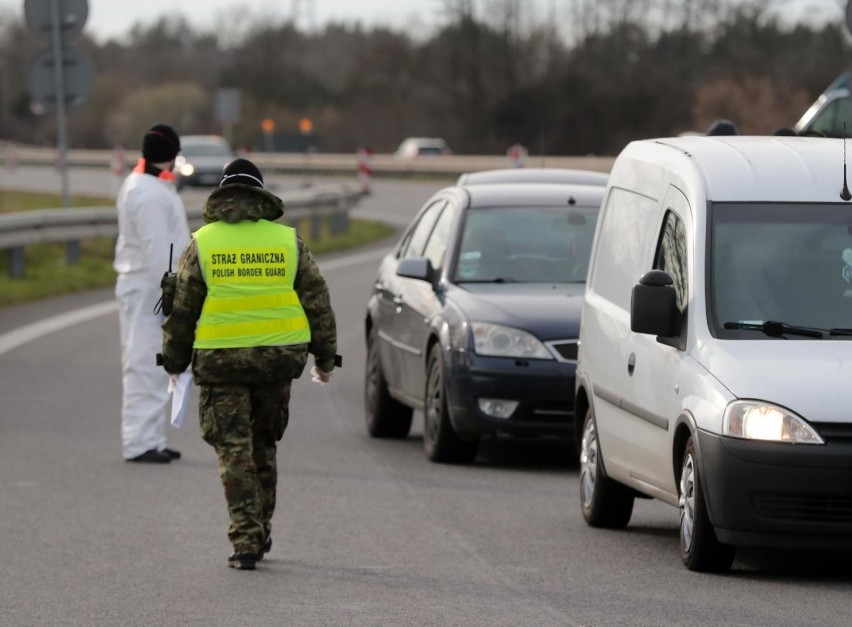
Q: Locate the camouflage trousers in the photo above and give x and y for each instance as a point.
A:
(244, 424)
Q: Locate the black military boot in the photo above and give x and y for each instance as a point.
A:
(151, 457)
(243, 561)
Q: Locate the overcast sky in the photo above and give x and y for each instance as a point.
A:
(113, 18)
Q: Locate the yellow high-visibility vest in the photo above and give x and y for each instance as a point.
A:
(249, 268)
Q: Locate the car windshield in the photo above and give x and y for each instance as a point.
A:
(786, 264)
(526, 244)
(833, 119)
(205, 150)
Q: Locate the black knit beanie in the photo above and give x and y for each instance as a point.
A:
(722, 127)
(242, 172)
(160, 144)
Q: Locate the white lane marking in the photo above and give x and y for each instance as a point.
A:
(13, 339)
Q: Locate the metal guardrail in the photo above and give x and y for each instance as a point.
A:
(382, 165)
(25, 228)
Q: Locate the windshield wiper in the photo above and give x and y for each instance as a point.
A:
(773, 328)
(837, 331)
(499, 279)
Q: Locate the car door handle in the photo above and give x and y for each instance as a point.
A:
(631, 364)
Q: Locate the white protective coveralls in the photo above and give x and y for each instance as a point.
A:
(151, 217)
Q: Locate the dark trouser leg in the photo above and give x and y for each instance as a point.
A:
(226, 412)
(269, 419)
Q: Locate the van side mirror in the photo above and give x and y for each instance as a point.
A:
(653, 306)
(419, 268)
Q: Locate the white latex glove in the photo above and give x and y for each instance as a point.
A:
(319, 376)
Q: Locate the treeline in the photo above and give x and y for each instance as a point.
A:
(584, 79)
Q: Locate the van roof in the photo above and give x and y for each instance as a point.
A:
(751, 168)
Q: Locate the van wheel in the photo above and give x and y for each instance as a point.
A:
(699, 548)
(606, 503)
(440, 441)
(386, 417)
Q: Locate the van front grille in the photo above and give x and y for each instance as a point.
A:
(834, 431)
(804, 508)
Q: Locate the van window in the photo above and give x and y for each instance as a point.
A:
(629, 222)
(789, 263)
(671, 255)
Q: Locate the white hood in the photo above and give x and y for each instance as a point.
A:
(810, 377)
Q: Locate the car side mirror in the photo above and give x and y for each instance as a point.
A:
(419, 268)
(653, 306)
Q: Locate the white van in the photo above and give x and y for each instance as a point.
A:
(715, 361)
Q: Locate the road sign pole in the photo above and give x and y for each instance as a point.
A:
(228, 130)
(73, 247)
(56, 22)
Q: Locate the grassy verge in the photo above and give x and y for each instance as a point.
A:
(46, 272)
(12, 201)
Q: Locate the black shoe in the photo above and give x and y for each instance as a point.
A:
(173, 454)
(243, 561)
(151, 457)
(266, 548)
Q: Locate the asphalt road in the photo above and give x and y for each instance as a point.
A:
(367, 532)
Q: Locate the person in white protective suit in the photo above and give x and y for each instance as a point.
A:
(151, 223)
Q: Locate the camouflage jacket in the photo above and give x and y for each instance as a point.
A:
(258, 365)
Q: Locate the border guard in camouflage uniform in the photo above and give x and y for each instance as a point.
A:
(250, 304)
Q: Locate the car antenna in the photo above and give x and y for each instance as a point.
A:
(844, 193)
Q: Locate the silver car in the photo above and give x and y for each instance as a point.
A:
(201, 160)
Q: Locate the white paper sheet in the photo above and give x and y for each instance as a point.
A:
(180, 398)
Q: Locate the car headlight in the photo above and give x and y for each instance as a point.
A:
(756, 420)
(499, 341)
(187, 169)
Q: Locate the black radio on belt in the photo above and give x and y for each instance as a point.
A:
(168, 285)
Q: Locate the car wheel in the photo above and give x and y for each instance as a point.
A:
(606, 503)
(386, 417)
(699, 548)
(440, 441)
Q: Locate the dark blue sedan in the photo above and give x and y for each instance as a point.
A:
(474, 317)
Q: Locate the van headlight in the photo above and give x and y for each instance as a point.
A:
(756, 420)
(498, 341)
(186, 169)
